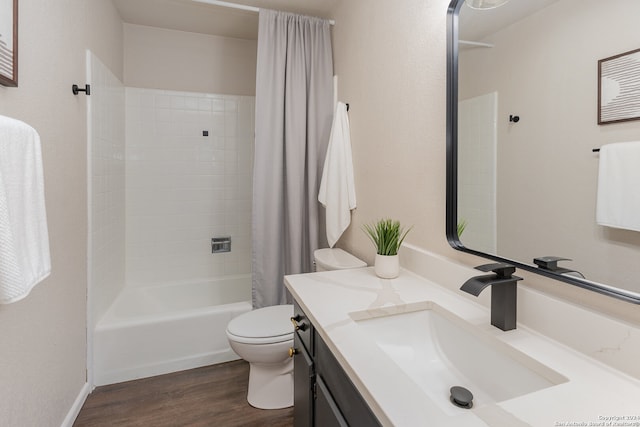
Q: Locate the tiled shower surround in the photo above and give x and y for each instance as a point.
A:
(477, 171)
(107, 187)
(189, 162)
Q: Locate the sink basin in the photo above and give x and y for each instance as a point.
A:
(438, 350)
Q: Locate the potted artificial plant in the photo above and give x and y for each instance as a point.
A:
(462, 224)
(387, 236)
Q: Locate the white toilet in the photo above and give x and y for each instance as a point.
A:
(263, 337)
(335, 259)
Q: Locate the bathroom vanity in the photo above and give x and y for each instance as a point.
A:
(324, 395)
(370, 351)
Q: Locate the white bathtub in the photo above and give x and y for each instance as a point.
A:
(160, 329)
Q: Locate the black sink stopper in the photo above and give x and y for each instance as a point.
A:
(461, 397)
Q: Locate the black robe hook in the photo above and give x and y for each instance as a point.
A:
(75, 89)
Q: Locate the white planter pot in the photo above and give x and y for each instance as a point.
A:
(387, 266)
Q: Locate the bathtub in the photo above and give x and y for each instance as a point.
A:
(160, 329)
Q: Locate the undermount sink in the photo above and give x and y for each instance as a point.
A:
(438, 350)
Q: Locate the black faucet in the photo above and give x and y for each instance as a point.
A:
(550, 263)
(503, 293)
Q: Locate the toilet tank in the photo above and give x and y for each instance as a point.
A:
(336, 259)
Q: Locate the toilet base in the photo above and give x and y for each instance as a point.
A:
(271, 385)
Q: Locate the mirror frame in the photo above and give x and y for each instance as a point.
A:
(452, 173)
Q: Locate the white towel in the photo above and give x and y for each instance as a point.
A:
(618, 203)
(24, 238)
(337, 187)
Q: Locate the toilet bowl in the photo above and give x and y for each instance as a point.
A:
(264, 336)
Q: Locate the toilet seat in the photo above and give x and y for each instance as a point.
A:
(266, 325)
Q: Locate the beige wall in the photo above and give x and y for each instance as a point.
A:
(392, 66)
(43, 337)
(176, 60)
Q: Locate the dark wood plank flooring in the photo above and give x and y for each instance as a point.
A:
(209, 396)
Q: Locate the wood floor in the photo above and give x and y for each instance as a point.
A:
(210, 396)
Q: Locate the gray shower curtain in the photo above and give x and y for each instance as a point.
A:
(294, 106)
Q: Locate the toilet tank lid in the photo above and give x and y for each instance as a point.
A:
(264, 322)
(337, 259)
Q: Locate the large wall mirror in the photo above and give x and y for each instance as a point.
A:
(522, 174)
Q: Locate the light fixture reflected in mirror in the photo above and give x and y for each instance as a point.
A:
(485, 4)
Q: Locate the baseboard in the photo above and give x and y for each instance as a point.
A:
(77, 405)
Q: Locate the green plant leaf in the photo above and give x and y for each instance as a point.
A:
(387, 235)
(462, 224)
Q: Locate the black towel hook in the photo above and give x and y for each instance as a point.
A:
(75, 89)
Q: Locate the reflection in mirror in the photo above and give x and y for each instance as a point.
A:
(523, 118)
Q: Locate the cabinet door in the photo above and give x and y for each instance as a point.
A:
(352, 405)
(302, 385)
(327, 413)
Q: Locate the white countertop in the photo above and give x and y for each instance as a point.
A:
(594, 394)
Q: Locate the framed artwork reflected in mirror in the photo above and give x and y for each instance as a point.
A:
(9, 42)
(618, 88)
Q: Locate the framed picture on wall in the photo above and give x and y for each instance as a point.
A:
(619, 88)
(9, 42)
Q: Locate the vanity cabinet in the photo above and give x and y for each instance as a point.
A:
(324, 396)
(303, 374)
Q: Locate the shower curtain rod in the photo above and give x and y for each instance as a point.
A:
(239, 6)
